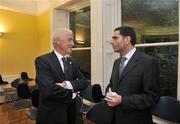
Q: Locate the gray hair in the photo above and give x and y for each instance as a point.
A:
(59, 34)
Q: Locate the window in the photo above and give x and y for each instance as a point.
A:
(80, 25)
(156, 21)
(151, 17)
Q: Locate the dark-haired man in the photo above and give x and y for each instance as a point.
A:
(134, 83)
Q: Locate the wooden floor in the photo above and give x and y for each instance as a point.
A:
(8, 115)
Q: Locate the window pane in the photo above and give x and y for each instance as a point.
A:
(80, 25)
(83, 58)
(167, 59)
(152, 19)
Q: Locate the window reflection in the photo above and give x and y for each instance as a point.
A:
(80, 25)
(167, 60)
(159, 38)
(151, 17)
(83, 58)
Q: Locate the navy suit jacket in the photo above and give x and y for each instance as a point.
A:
(139, 87)
(54, 100)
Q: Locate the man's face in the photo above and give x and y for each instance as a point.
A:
(118, 42)
(66, 43)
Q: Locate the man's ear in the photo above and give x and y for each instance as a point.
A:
(128, 39)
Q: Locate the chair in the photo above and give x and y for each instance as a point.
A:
(168, 108)
(2, 82)
(24, 94)
(31, 113)
(87, 93)
(100, 113)
(86, 101)
(91, 95)
(15, 83)
(97, 93)
(25, 77)
(20, 106)
(23, 91)
(11, 95)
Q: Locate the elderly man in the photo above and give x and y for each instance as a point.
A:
(59, 78)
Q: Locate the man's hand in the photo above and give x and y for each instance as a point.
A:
(63, 84)
(113, 101)
(112, 98)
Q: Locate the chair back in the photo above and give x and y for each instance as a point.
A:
(25, 77)
(100, 113)
(87, 93)
(97, 93)
(92, 93)
(23, 91)
(167, 108)
(15, 83)
(2, 82)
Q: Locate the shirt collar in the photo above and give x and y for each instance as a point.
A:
(130, 53)
(59, 56)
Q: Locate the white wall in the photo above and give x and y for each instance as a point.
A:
(33, 7)
(25, 6)
(42, 5)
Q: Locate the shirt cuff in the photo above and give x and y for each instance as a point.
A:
(68, 85)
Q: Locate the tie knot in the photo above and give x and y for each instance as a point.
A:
(64, 59)
(123, 59)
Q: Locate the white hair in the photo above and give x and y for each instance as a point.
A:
(59, 34)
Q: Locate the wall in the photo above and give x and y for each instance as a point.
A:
(25, 6)
(22, 41)
(43, 29)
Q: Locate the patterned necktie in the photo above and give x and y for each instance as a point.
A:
(64, 59)
(122, 65)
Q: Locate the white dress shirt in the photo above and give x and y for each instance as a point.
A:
(68, 84)
(129, 55)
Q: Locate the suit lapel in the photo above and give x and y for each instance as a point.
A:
(116, 70)
(57, 65)
(130, 65)
(116, 74)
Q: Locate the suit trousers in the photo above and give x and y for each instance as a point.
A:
(72, 112)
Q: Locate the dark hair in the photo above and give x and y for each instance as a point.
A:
(127, 31)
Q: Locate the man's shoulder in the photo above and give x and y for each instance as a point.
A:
(145, 56)
(45, 56)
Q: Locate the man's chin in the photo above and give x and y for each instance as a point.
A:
(69, 52)
(117, 51)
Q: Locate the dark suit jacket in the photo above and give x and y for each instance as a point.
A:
(139, 88)
(54, 100)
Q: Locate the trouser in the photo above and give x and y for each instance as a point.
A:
(72, 112)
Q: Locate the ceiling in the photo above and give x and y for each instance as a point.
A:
(25, 6)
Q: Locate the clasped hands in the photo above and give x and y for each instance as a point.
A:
(63, 84)
(112, 98)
